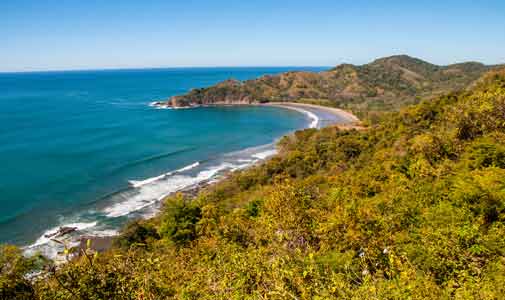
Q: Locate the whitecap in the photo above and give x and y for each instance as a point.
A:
(160, 105)
(265, 154)
(245, 160)
(46, 244)
(189, 167)
(139, 183)
(146, 195)
(153, 191)
(313, 117)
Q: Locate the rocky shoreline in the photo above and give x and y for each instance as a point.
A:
(97, 243)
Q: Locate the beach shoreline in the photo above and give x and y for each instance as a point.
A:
(320, 116)
(333, 110)
(342, 116)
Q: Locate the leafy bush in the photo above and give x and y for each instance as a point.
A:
(179, 220)
(13, 270)
(136, 233)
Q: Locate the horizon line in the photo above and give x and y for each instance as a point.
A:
(133, 68)
(158, 68)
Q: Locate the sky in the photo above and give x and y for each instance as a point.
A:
(99, 34)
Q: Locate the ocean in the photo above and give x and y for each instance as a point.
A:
(84, 148)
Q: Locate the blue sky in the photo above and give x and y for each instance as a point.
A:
(94, 34)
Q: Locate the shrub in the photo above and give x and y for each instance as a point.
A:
(179, 220)
(137, 232)
(13, 270)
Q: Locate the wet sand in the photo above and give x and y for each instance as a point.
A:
(327, 115)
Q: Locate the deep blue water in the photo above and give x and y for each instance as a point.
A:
(76, 146)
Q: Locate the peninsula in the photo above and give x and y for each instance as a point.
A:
(383, 85)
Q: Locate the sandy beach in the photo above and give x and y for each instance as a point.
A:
(326, 115)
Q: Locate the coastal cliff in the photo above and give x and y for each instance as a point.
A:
(384, 84)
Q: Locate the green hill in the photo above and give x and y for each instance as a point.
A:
(384, 84)
(410, 208)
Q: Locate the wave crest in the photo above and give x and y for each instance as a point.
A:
(154, 189)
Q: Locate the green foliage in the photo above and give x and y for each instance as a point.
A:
(253, 208)
(179, 220)
(385, 84)
(412, 208)
(125, 275)
(487, 153)
(13, 269)
(137, 233)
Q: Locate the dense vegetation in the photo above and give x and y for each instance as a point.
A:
(411, 208)
(384, 84)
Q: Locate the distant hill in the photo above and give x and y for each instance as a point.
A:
(384, 84)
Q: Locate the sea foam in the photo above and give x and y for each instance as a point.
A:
(144, 194)
(139, 183)
(154, 189)
(265, 154)
(51, 246)
(43, 239)
(314, 118)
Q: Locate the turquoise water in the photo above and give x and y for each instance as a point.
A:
(85, 148)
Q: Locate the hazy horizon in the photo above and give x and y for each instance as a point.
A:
(159, 68)
(140, 68)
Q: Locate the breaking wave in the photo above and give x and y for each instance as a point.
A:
(142, 198)
(139, 183)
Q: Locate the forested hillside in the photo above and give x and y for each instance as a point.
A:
(410, 208)
(384, 84)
